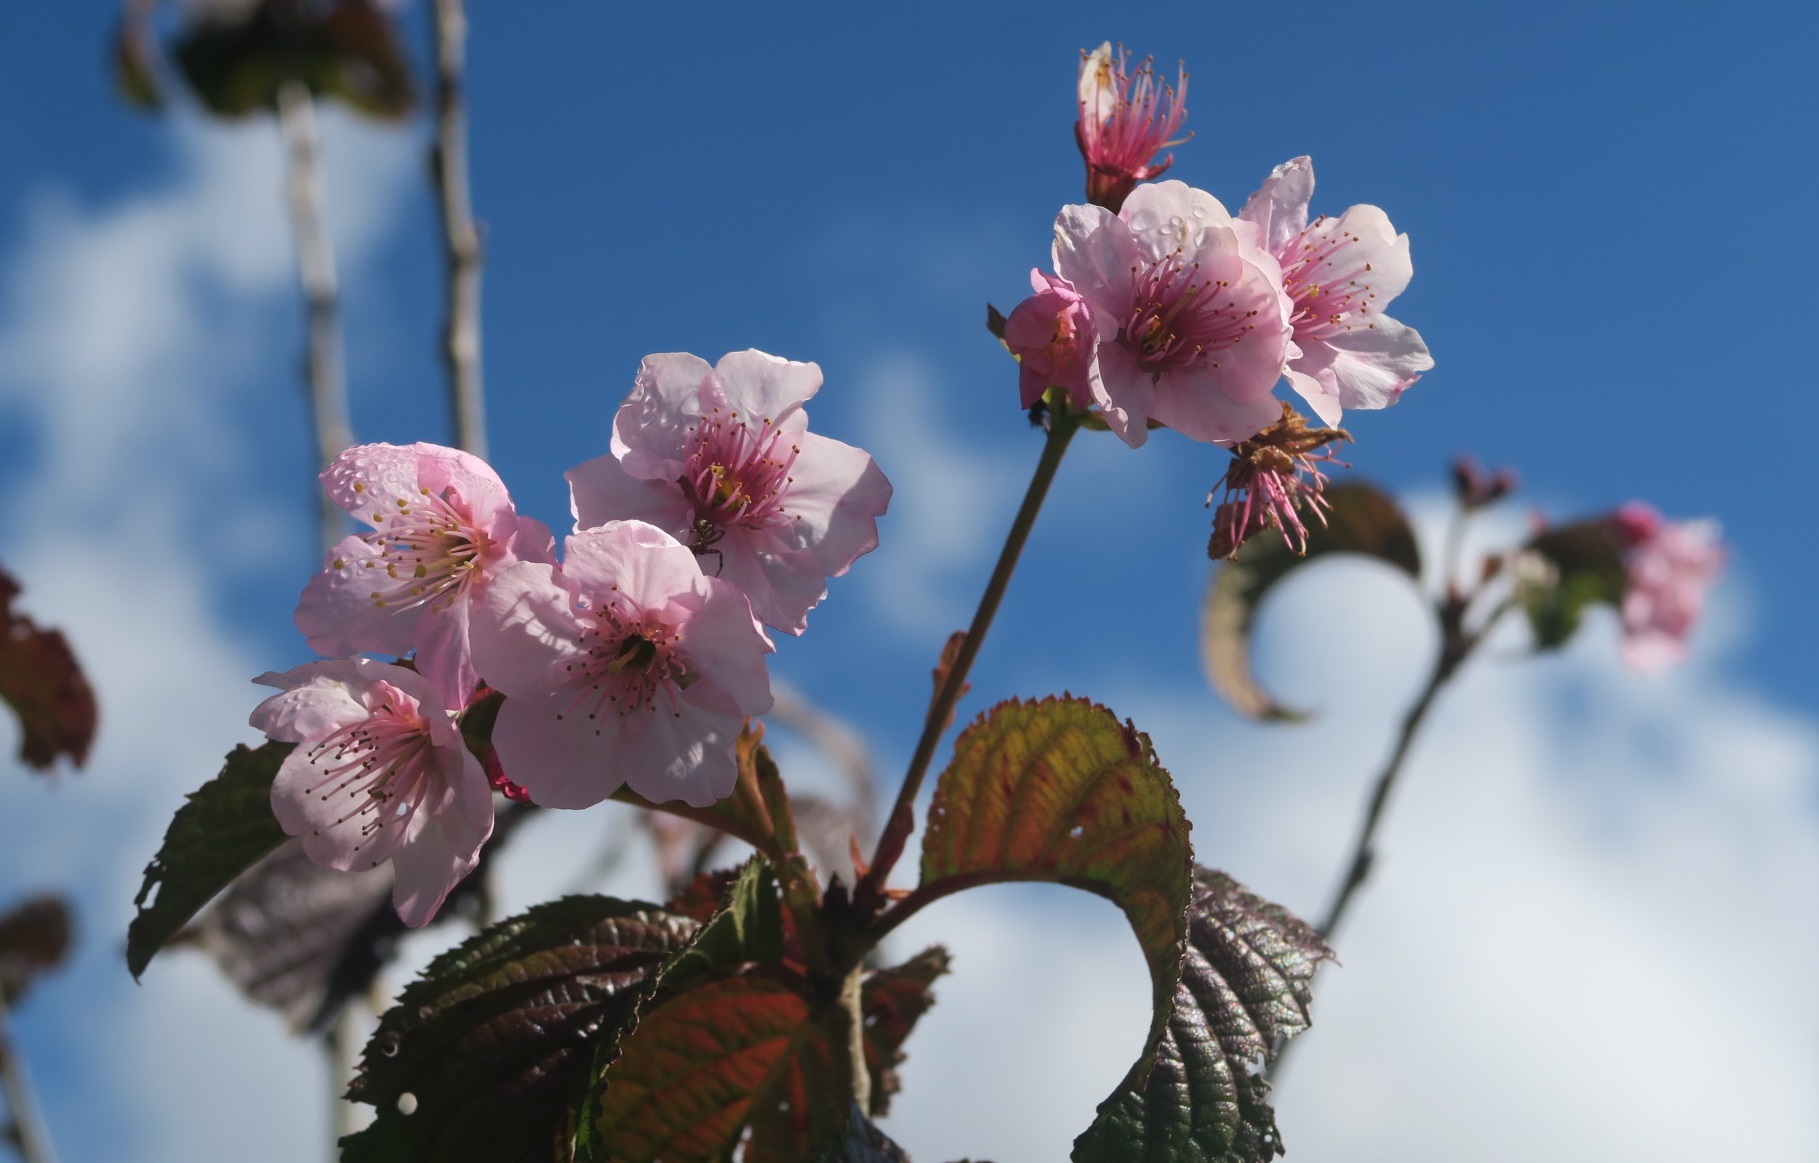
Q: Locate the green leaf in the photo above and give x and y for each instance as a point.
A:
(479, 1058)
(684, 1084)
(224, 829)
(1364, 520)
(746, 929)
(1244, 989)
(1579, 565)
(41, 682)
(1059, 790)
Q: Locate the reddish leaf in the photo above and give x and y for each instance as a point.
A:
(1059, 790)
(34, 939)
(40, 680)
(894, 1001)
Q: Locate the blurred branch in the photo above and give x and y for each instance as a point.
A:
(833, 738)
(27, 1130)
(324, 374)
(461, 239)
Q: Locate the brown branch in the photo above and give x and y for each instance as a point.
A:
(28, 1133)
(324, 375)
(461, 239)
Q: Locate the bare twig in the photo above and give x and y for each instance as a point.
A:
(324, 375)
(461, 239)
(833, 738)
(28, 1132)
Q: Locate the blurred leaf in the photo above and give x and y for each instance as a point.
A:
(134, 52)
(1244, 989)
(225, 827)
(478, 1060)
(1059, 790)
(284, 927)
(1363, 520)
(302, 939)
(863, 1143)
(235, 59)
(1580, 564)
(40, 680)
(34, 939)
(894, 1000)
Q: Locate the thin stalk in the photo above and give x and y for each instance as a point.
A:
(901, 821)
(460, 237)
(32, 1139)
(325, 377)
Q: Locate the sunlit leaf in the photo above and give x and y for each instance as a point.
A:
(683, 1087)
(1059, 790)
(34, 939)
(1244, 988)
(225, 828)
(41, 682)
(1571, 567)
(1364, 520)
(479, 1058)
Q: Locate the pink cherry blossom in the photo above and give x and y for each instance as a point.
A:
(379, 773)
(1671, 565)
(1124, 123)
(1051, 334)
(722, 459)
(1273, 477)
(627, 665)
(1340, 273)
(1191, 322)
(443, 526)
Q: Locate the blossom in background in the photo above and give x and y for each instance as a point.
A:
(1051, 334)
(379, 773)
(1124, 122)
(1273, 477)
(1191, 322)
(443, 525)
(721, 458)
(1339, 273)
(627, 665)
(1670, 565)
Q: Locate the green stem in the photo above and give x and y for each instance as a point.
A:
(901, 821)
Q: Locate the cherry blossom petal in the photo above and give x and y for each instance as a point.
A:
(1279, 207)
(525, 631)
(767, 386)
(337, 615)
(651, 427)
(687, 756)
(600, 490)
(315, 699)
(425, 872)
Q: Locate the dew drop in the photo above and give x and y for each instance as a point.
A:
(407, 1103)
(388, 1045)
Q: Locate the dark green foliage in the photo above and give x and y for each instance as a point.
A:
(226, 827)
(1577, 565)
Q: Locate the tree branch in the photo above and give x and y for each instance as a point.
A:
(461, 239)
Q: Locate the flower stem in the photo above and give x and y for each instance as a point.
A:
(460, 237)
(324, 375)
(898, 825)
(27, 1128)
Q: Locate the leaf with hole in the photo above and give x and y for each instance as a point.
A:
(226, 827)
(1363, 521)
(479, 1059)
(1244, 989)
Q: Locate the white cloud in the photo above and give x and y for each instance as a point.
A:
(132, 335)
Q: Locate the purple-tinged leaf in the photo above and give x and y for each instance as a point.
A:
(479, 1059)
(34, 940)
(1244, 989)
(1575, 566)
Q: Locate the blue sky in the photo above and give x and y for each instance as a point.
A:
(1603, 210)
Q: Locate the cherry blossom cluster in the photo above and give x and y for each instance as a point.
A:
(1669, 566)
(715, 518)
(1165, 309)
